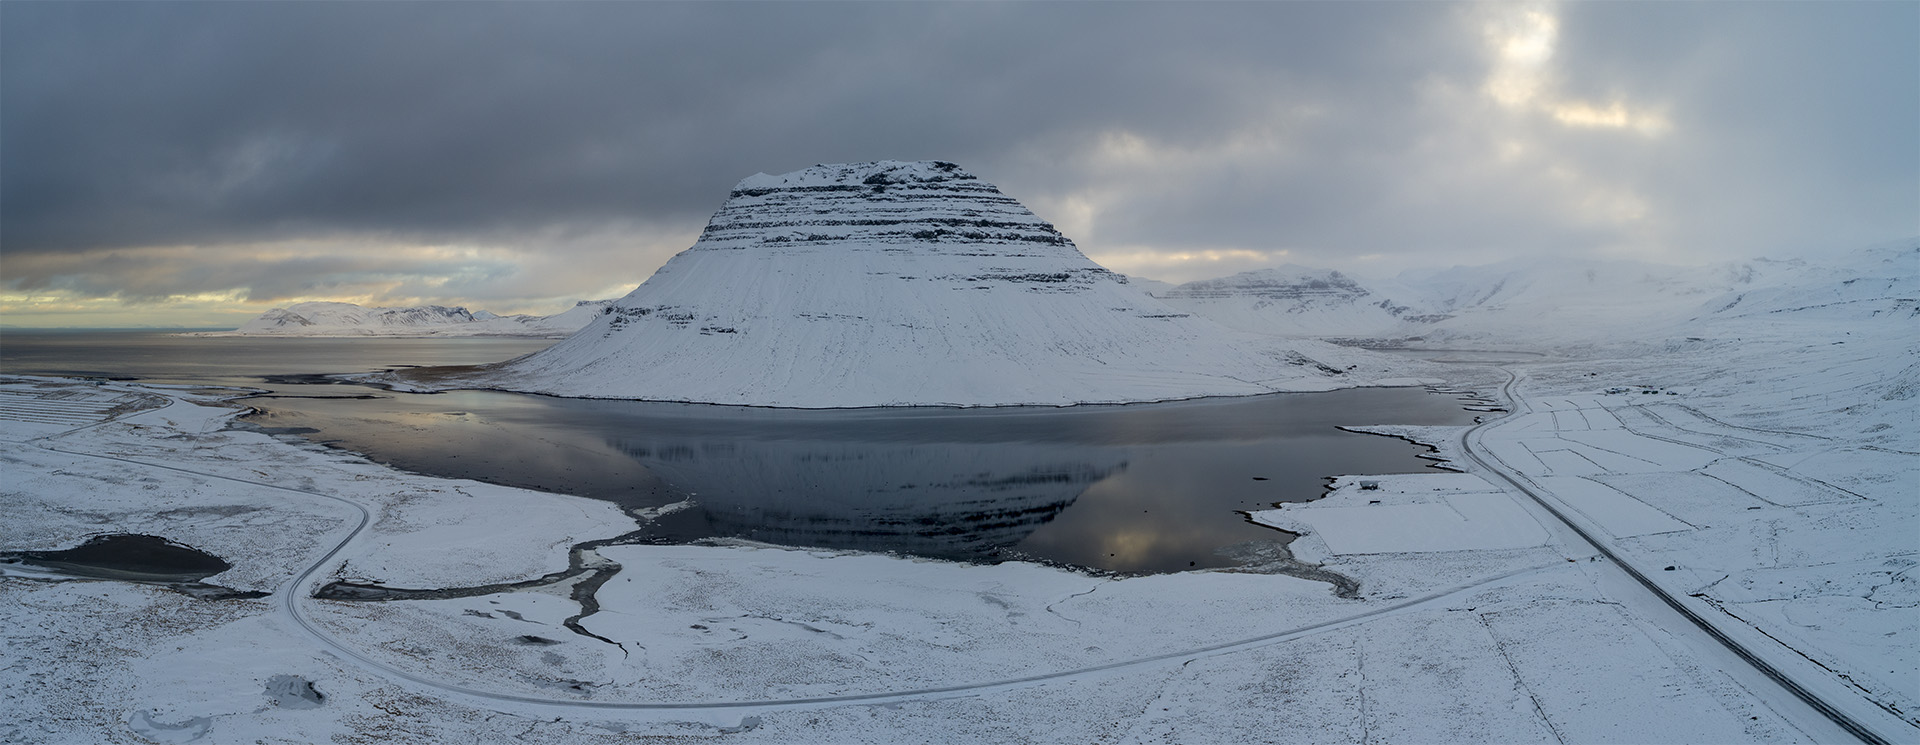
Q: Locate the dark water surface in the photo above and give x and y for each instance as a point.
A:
(122, 555)
(129, 557)
(1137, 488)
(161, 357)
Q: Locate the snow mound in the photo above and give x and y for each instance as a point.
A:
(894, 284)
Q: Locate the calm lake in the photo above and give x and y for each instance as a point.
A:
(1136, 488)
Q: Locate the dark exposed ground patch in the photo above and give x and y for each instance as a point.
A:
(144, 559)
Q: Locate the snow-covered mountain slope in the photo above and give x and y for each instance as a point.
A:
(563, 323)
(306, 319)
(348, 319)
(1881, 282)
(1623, 302)
(895, 283)
(1554, 302)
(1543, 300)
(1152, 287)
(1293, 301)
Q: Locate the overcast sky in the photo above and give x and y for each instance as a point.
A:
(197, 163)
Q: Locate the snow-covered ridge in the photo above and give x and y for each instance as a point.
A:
(1294, 301)
(328, 319)
(1288, 282)
(1881, 282)
(1554, 301)
(893, 283)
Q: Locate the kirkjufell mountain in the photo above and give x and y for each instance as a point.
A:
(901, 283)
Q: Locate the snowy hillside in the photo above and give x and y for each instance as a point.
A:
(1293, 301)
(1822, 347)
(1552, 302)
(895, 283)
(1560, 300)
(347, 319)
(1879, 282)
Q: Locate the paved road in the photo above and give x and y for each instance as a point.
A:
(1475, 450)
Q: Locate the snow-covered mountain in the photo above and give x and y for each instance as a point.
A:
(1292, 301)
(348, 319)
(1544, 300)
(1548, 301)
(895, 283)
(1877, 283)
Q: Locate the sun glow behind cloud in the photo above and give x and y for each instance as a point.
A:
(1522, 45)
(1615, 116)
(1503, 138)
(1521, 41)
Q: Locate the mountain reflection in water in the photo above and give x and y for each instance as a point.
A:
(950, 500)
(1136, 488)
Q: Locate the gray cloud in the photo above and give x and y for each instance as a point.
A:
(1329, 130)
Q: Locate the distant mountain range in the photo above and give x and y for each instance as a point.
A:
(347, 319)
(1546, 301)
(915, 283)
(1525, 301)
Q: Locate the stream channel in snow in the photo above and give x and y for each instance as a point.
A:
(1134, 488)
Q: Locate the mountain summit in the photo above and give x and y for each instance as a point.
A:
(896, 283)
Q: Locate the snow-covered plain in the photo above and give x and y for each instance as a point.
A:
(1755, 453)
(328, 319)
(753, 643)
(898, 284)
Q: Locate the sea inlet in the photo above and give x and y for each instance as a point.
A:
(1137, 488)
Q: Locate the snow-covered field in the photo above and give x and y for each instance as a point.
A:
(1755, 455)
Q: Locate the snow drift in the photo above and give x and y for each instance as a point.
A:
(895, 283)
